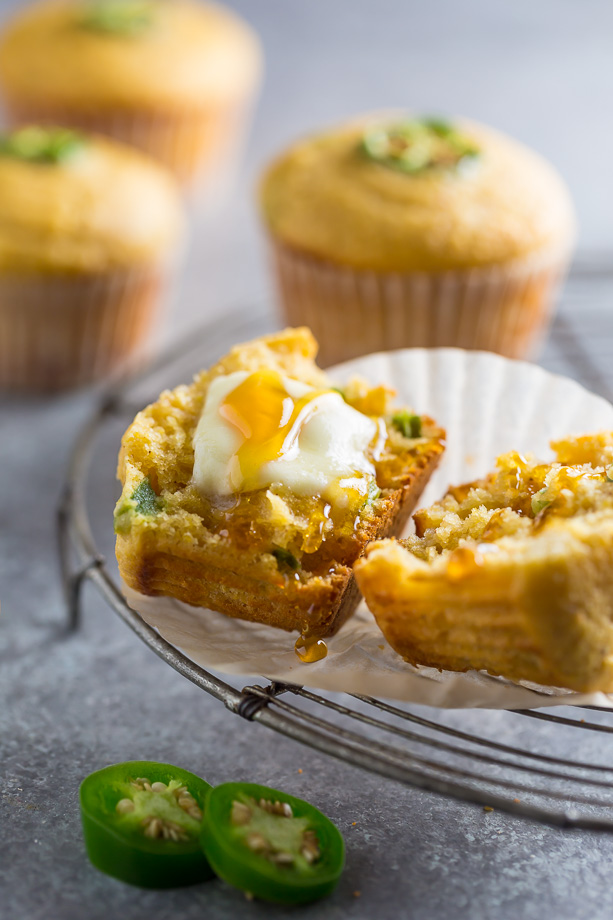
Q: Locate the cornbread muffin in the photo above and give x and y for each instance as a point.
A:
(87, 231)
(173, 77)
(253, 490)
(512, 574)
(395, 231)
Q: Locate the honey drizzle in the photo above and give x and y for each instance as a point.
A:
(310, 648)
(269, 420)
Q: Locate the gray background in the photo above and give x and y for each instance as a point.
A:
(543, 71)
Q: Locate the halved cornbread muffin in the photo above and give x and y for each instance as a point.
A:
(253, 490)
(512, 574)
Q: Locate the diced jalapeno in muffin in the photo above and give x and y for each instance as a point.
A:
(142, 501)
(408, 425)
(540, 501)
(41, 145)
(417, 144)
(286, 561)
(147, 502)
(374, 492)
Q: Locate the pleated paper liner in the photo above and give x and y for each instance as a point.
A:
(489, 405)
(503, 308)
(60, 331)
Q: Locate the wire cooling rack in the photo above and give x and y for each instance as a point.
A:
(454, 754)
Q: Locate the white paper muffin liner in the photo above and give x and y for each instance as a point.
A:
(489, 405)
(502, 308)
(60, 331)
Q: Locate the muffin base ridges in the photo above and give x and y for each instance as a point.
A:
(60, 331)
(502, 308)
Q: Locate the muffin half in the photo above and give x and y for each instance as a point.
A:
(253, 490)
(512, 574)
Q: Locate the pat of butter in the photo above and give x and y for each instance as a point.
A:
(261, 428)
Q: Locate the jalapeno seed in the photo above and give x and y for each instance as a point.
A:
(125, 806)
(241, 813)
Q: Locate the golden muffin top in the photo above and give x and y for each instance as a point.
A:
(151, 53)
(73, 203)
(524, 497)
(393, 193)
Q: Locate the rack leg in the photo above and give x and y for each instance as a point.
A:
(72, 581)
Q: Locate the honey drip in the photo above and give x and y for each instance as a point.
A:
(463, 562)
(310, 649)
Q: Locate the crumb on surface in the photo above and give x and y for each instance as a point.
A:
(487, 808)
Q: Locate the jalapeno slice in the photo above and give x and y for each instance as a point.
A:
(271, 845)
(142, 822)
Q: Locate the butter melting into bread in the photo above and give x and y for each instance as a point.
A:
(512, 574)
(253, 490)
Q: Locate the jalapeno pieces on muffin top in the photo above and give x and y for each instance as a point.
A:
(412, 145)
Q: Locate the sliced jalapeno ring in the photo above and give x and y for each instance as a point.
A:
(271, 845)
(142, 822)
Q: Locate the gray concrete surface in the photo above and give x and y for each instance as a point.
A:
(544, 72)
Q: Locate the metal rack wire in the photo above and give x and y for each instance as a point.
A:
(393, 740)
